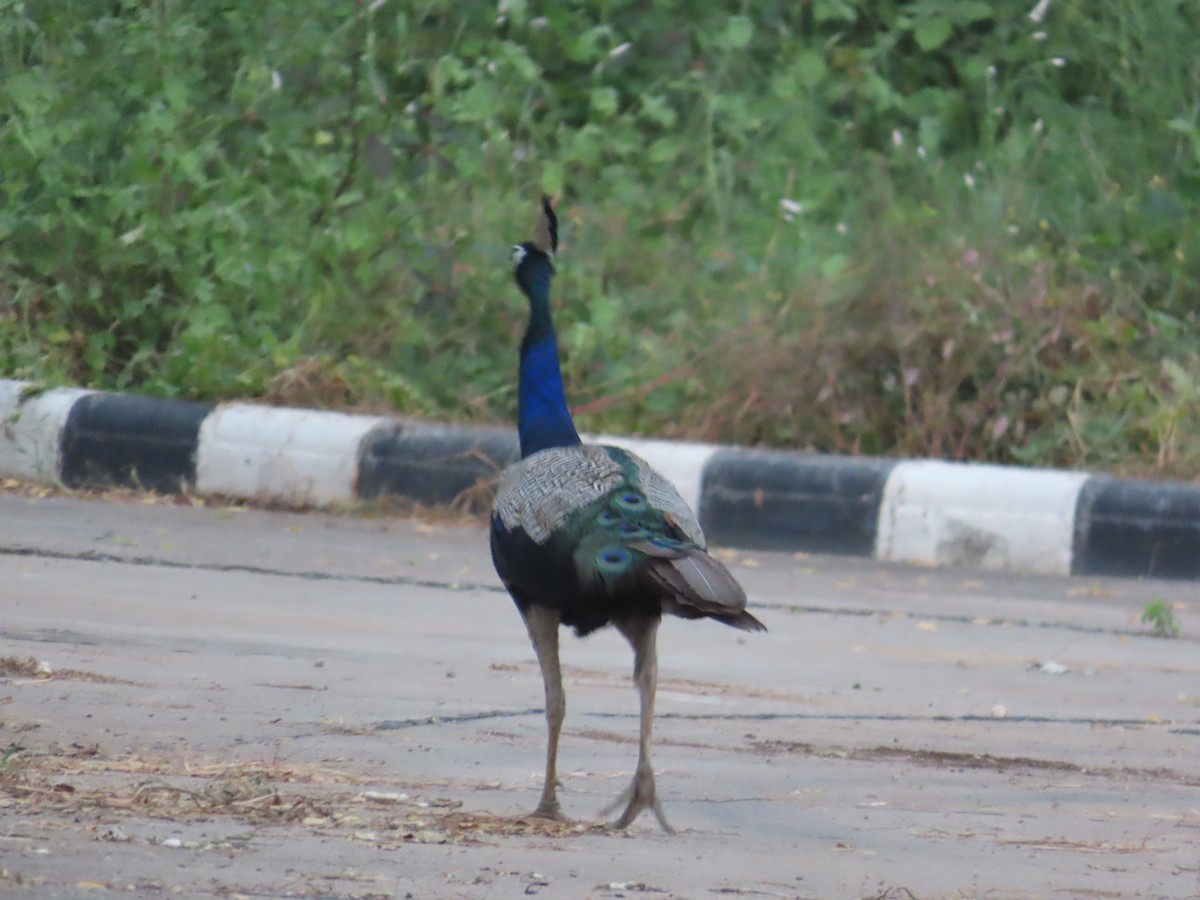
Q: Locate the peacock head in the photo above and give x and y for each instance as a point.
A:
(533, 261)
(532, 268)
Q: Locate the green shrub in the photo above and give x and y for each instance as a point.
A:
(899, 227)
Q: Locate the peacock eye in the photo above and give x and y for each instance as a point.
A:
(608, 517)
(631, 500)
(613, 561)
(632, 529)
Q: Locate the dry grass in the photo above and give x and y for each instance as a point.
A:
(81, 781)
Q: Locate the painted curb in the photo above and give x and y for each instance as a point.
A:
(774, 500)
(923, 511)
(984, 516)
(298, 457)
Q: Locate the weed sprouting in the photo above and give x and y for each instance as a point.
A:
(1159, 615)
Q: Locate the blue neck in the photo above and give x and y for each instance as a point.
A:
(543, 419)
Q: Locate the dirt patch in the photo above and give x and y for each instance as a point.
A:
(692, 686)
(16, 667)
(944, 759)
(29, 667)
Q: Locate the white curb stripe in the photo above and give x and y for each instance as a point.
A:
(991, 517)
(681, 464)
(31, 432)
(294, 456)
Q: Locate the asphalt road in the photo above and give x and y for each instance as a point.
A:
(227, 702)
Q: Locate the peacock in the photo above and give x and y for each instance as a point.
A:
(587, 535)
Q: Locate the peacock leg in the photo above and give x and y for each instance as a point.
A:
(543, 623)
(641, 634)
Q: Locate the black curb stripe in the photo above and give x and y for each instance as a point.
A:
(772, 500)
(131, 441)
(1137, 528)
(432, 464)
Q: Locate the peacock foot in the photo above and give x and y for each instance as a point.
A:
(638, 796)
(549, 809)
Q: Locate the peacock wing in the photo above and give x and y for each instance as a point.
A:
(539, 494)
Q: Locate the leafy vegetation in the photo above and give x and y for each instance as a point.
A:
(1158, 615)
(947, 228)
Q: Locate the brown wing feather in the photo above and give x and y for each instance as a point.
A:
(699, 585)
